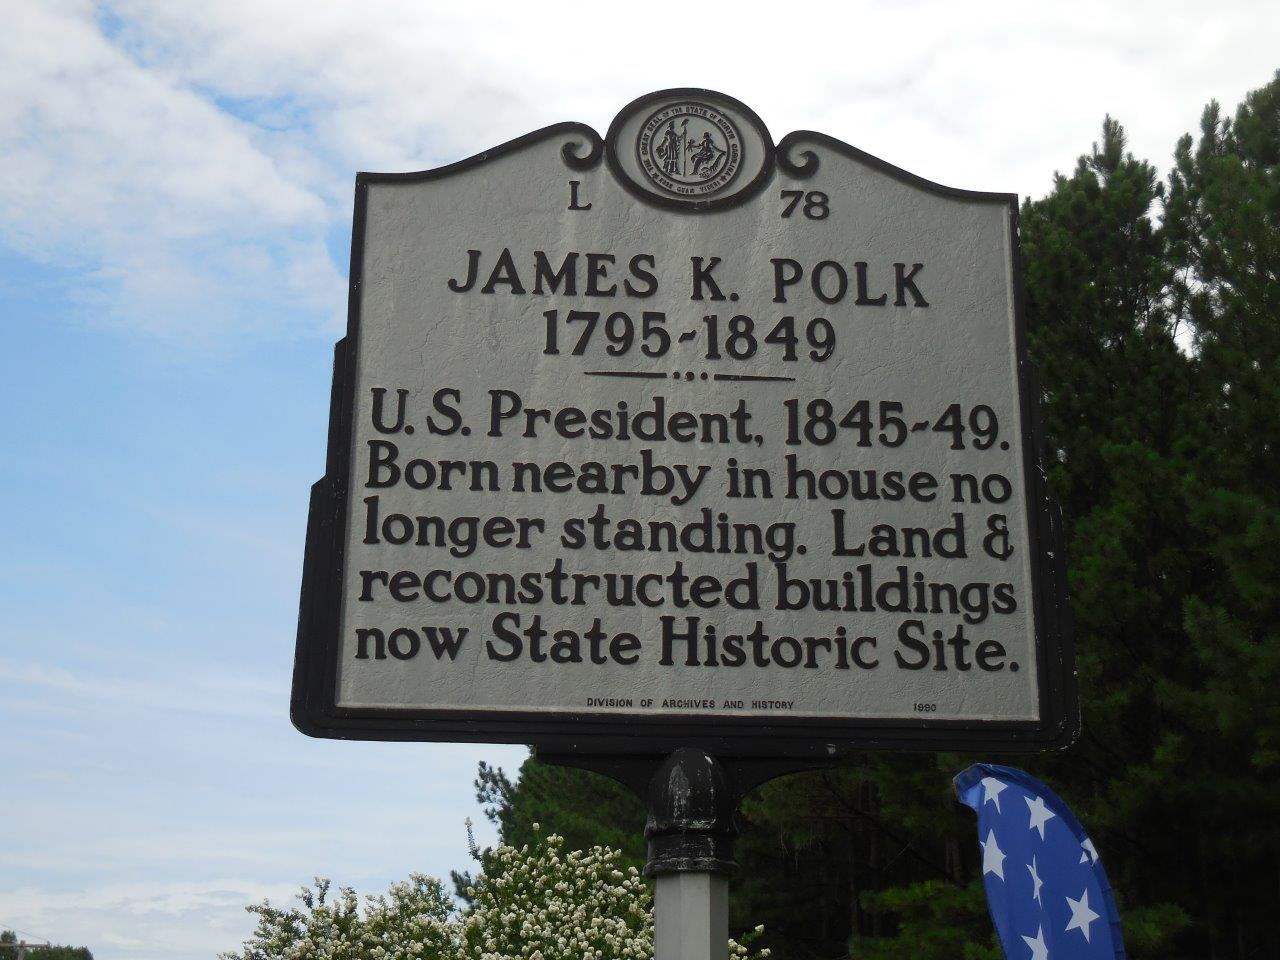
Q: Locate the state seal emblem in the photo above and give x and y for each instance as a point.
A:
(689, 149)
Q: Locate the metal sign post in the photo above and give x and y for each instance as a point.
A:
(691, 916)
(689, 458)
(690, 832)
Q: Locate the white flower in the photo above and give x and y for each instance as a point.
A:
(538, 902)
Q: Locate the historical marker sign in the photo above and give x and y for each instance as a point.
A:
(680, 437)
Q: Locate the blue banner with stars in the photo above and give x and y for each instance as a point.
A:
(1046, 889)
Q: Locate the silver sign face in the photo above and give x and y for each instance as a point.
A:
(681, 434)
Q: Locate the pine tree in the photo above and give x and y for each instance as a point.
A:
(1223, 217)
(584, 808)
(1114, 403)
(8, 950)
(1119, 400)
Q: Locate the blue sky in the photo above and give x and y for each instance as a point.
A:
(174, 218)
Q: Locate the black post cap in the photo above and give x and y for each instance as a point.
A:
(692, 807)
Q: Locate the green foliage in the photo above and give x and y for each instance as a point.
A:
(1154, 320)
(1121, 401)
(586, 810)
(817, 848)
(1224, 221)
(43, 953)
(941, 920)
(411, 920)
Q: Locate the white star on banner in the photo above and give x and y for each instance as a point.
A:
(1038, 949)
(1081, 915)
(1090, 855)
(1036, 882)
(1040, 814)
(992, 856)
(991, 789)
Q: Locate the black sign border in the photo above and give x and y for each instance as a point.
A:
(313, 707)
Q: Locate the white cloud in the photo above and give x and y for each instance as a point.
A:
(401, 84)
(145, 919)
(244, 696)
(162, 870)
(192, 158)
(186, 163)
(179, 220)
(97, 143)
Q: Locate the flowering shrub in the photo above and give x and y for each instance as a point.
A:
(537, 903)
(413, 920)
